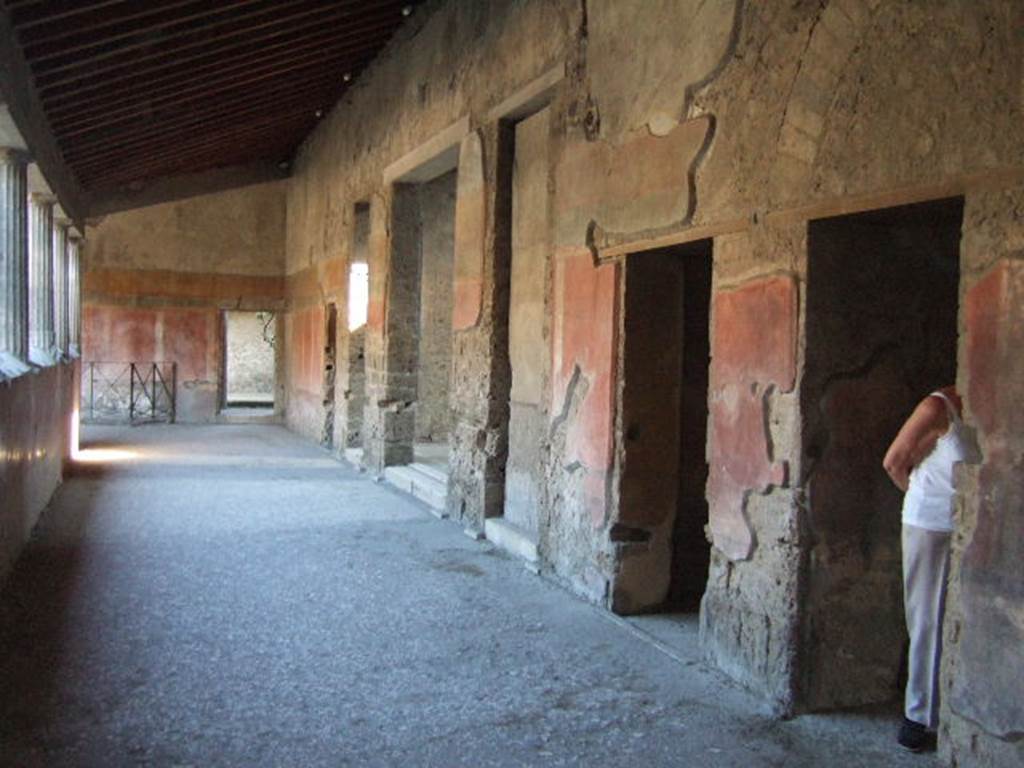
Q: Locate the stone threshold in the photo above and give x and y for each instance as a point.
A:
(513, 539)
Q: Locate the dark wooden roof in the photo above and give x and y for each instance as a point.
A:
(135, 90)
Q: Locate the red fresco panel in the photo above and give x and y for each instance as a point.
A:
(985, 304)
(132, 335)
(188, 340)
(588, 339)
(753, 347)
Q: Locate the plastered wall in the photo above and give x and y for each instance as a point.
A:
(156, 281)
(249, 356)
(37, 411)
(741, 123)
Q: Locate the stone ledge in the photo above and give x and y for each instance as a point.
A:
(511, 538)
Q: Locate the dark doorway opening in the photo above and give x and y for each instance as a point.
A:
(421, 304)
(881, 331)
(666, 348)
(330, 372)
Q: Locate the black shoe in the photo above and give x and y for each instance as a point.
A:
(913, 736)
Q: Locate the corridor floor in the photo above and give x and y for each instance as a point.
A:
(232, 596)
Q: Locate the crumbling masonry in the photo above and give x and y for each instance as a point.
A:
(663, 276)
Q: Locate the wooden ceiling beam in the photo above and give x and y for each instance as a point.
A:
(170, 129)
(25, 15)
(102, 18)
(137, 93)
(147, 79)
(257, 39)
(240, 91)
(316, 94)
(157, 142)
(283, 122)
(28, 15)
(125, 102)
(179, 186)
(212, 34)
(197, 158)
(137, 169)
(148, 23)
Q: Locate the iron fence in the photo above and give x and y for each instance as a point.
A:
(129, 392)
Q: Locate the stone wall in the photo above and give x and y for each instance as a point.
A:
(350, 397)
(38, 414)
(249, 364)
(436, 249)
(157, 280)
(529, 359)
(354, 392)
(740, 123)
(982, 717)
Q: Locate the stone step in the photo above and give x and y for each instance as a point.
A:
(354, 456)
(426, 487)
(248, 416)
(432, 471)
(511, 538)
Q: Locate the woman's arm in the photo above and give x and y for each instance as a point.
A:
(915, 440)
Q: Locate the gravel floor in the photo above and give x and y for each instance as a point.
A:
(232, 596)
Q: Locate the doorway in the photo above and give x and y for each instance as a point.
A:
(330, 373)
(664, 411)
(881, 333)
(352, 349)
(419, 333)
(528, 350)
(249, 360)
(422, 276)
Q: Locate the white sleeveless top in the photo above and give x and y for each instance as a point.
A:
(929, 499)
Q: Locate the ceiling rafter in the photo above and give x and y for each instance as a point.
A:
(142, 33)
(313, 93)
(161, 133)
(215, 155)
(225, 52)
(206, 35)
(145, 102)
(138, 92)
(100, 19)
(150, 79)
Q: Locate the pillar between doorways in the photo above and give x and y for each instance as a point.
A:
(42, 339)
(74, 243)
(13, 261)
(389, 418)
(61, 284)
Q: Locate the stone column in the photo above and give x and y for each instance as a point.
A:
(42, 342)
(74, 295)
(13, 261)
(61, 283)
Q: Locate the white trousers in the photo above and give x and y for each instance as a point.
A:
(925, 570)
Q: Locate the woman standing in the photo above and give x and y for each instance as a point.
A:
(920, 462)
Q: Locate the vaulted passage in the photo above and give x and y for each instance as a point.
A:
(232, 594)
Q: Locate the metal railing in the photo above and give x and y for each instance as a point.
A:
(129, 392)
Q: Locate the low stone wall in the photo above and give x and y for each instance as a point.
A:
(36, 415)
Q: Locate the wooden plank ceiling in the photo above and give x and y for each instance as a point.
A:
(136, 90)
